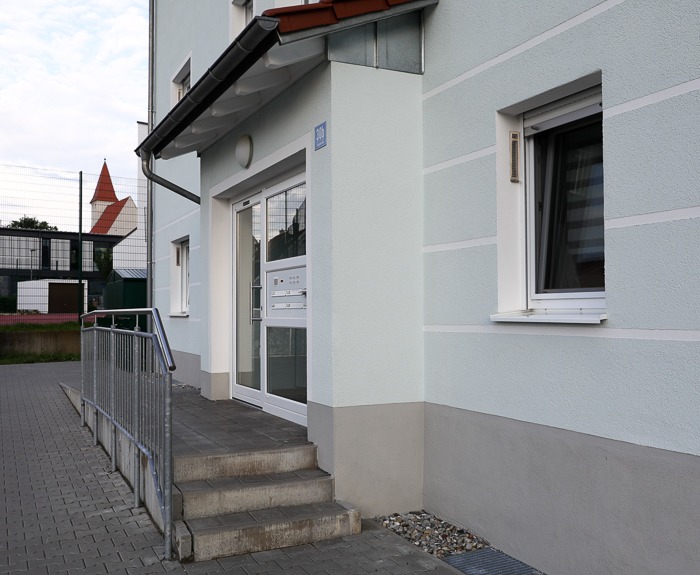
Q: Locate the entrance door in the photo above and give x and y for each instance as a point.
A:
(270, 300)
(248, 297)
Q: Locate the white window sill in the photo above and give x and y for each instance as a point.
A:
(179, 314)
(592, 316)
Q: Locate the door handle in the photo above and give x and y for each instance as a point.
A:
(254, 309)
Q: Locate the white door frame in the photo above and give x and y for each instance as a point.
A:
(274, 404)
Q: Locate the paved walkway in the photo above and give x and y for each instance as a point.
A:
(63, 512)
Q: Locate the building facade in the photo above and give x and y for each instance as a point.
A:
(458, 241)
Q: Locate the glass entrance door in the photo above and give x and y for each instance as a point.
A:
(270, 300)
(248, 300)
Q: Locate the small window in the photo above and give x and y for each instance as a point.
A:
(183, 87)
(248, 11)
(180, 278)
(241, 12)
(181, 83)
(564, 189)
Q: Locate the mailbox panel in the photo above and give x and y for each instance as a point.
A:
(286, 293)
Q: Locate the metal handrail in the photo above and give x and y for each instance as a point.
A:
(121, 377)
(157, 324)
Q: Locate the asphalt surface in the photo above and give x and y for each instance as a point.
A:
(62, 511)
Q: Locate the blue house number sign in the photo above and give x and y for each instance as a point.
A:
(320, 136)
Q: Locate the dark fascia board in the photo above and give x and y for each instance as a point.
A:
(250, 45)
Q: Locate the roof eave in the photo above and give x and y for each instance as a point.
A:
(245, 51)
(250, 45)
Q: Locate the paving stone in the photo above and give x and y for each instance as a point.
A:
(63, 512)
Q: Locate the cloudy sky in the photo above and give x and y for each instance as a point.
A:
(73, 83)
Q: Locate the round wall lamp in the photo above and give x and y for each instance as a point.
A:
(244, 150)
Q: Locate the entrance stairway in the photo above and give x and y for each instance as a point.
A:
(254, 500)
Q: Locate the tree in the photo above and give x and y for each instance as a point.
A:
(28, 223)
(103, 261)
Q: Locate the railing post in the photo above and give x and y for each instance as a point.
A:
(112, 391)
(136, 419)
(168, 471)
(94, 385)
(83, 359)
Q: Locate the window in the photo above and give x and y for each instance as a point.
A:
(563, 244)
(181, 82)
(248, 8)
(183, 87)
(286, 224)
(241, 12)
(564, 186)
(180, 278)
(45, 253)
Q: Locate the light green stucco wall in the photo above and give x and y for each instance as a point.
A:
(501, 56)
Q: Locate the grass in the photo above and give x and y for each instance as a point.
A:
(37, 357)
(67, 326)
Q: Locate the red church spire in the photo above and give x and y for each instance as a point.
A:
(104, 192)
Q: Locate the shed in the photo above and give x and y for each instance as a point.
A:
(126, 289)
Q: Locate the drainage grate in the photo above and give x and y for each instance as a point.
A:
(489, 561)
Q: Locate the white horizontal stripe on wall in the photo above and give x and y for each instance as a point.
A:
(654, 218)
(650, 99)
(460, 160)
(466, 244)
(537, 40)
(570, 331)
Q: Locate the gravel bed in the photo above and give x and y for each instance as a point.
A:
(432, 534)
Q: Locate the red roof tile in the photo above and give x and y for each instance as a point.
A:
(108, 217)
(104, 192)
(326, 12)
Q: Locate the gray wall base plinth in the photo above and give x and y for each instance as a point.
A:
(561, 501)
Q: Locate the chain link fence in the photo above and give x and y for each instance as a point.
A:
(70, 243)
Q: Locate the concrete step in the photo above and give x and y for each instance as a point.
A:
(249, 493)
(244, 463)
(275, 528)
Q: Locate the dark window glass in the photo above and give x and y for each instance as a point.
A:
(74, 255)
(569, 208)
(286, 363)
(286, 224)
(45, 253)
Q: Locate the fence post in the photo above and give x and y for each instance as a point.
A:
(81, 301)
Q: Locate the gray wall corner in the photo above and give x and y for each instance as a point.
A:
(214, 386)
(378, 456)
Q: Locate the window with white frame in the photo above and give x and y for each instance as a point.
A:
(564, 188)
(181, 82)
(562, 242)
(180, 278)
(241, 12)
(248, 10)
